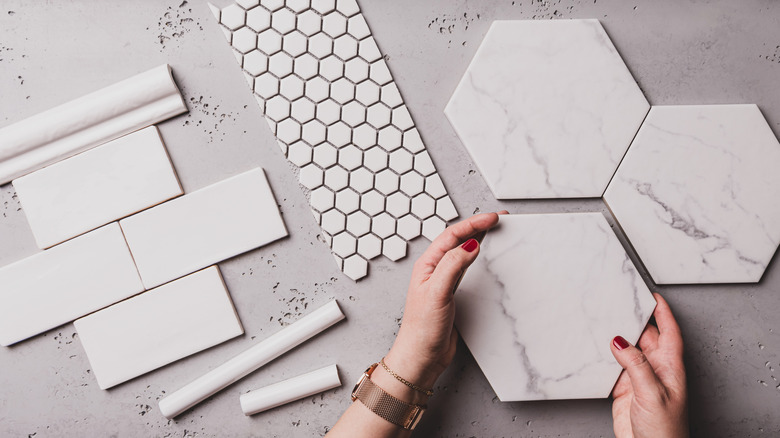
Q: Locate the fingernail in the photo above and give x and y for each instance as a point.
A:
(470, 245)
(620, 343)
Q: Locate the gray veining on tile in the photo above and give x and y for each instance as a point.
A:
(538, 334)
(546, 109)
(696, 194)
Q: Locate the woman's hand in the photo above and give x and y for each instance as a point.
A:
(650, 397)
(425, 345)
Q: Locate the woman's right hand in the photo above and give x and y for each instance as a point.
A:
(650, 397)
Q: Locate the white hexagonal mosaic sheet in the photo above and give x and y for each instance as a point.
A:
(331, 101)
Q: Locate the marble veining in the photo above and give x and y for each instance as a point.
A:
(547, 109)
(536, 333)
(697, 194)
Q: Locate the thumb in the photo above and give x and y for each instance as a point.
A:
(453, 265)
(640, 372)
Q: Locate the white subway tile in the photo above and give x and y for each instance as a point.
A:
(65, 282)
(158, 327)
(204, 227)
(98, 186)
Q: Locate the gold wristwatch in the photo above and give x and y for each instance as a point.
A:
(385, 405)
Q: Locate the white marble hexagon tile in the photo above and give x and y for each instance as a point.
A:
(541, 335)
(331, 101)
(697, 192)
(547, 109)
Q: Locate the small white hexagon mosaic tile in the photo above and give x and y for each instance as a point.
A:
(331, 101)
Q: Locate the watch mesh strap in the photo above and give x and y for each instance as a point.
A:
(386, 406)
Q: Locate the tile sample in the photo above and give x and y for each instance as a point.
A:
(290, 390)
(98, 186)
(514, 305)
(330, 99)
(158, 327)
(83, 123)
(251, 359)
(697, 194)
(66, 282)
(546, 109)
(203, 227)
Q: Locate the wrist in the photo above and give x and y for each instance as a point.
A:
(396, 388)
(410, 367)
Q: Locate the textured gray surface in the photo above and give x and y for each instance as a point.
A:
(679, 52)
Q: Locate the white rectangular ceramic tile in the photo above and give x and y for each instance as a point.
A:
(158, 327)
(98, 186)
(91, 120)
(204, 227)
(64, 283)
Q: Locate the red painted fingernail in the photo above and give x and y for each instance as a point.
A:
(620, 343)
(470, 245)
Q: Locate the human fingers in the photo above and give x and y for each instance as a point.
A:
(668, 328)
(663, 315)
(622, 386)
(451, 268)
(643, 378)
(649, 339)
(453, 236)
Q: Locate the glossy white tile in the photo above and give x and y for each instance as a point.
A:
(355, 267)
(344, 244)
(139, 335)
(546, 109)
(696, 194)
(66, 282)
(311, 176)
(394, 248)
(358, 223)
(409, 227)
(369, 246)
(96, 187)
(204, 227)
(540, 335)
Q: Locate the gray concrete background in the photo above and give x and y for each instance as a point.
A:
(682, 52)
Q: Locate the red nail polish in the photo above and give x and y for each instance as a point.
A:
(620, 343)
(470, 245)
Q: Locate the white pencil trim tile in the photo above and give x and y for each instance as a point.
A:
(83, 123)
(290, 390)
